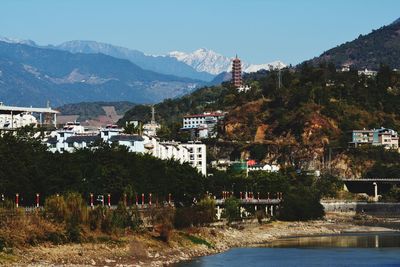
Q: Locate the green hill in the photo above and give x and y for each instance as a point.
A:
(381, 46)
(295, 125)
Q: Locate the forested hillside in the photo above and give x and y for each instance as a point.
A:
(296, 124)
(381, 46)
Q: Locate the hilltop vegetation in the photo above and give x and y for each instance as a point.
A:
(381, 46)
(294, 125)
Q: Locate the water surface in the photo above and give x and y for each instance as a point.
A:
(379, 249)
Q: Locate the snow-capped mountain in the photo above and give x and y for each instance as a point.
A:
(214, 63)
(17, 41)
(203, 60)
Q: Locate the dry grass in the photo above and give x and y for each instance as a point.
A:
(19, 229)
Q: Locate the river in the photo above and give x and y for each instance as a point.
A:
(372, 249)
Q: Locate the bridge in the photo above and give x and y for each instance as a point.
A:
(371, 186)
(248, 204)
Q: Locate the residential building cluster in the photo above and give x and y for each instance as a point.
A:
(387, 138)
(74, 136)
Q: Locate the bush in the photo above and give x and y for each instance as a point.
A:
(184, 217)
(76, 214)
(55, 208)
(95, 217)
(205, 211)
(260, 215)
(121, 217)
(301, 203)
(162, 220)
(106, 221)
(76, 208)
(232, 212)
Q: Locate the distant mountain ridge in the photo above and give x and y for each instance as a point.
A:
(381, 46)
(30, 76)
(212, 62)
(160, 64)
(202, 64)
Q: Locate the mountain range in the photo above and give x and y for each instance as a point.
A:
(30, 75)
(160, 64)
(202, 64)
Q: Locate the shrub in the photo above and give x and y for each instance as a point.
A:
(121, 217)
(184, 217)
(76, 208)
(205, 211)
(301, 203)
(106, 221)
(232, 209)
(55, 208)
(260, 215)
(162, 219)
(95, 217)
(76, 214)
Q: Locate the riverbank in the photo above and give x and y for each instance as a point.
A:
(146, 249)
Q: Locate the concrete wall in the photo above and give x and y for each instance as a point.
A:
(378, 208)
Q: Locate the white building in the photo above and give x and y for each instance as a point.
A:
(205, 124)
(367, 72)
(17, 121)
(72, 137)
(192, 152)
(385, 137)
(12, 117)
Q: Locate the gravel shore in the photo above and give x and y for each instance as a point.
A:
(145, 249)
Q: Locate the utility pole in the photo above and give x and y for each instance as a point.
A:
(153, 117)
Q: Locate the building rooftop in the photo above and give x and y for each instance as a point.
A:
(122, 137)
(9, 109)
(83, 138)
(212, 114)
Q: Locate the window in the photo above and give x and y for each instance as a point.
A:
(191, 157)
(70, 144)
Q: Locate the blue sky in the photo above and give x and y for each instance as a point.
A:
(258, 31)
